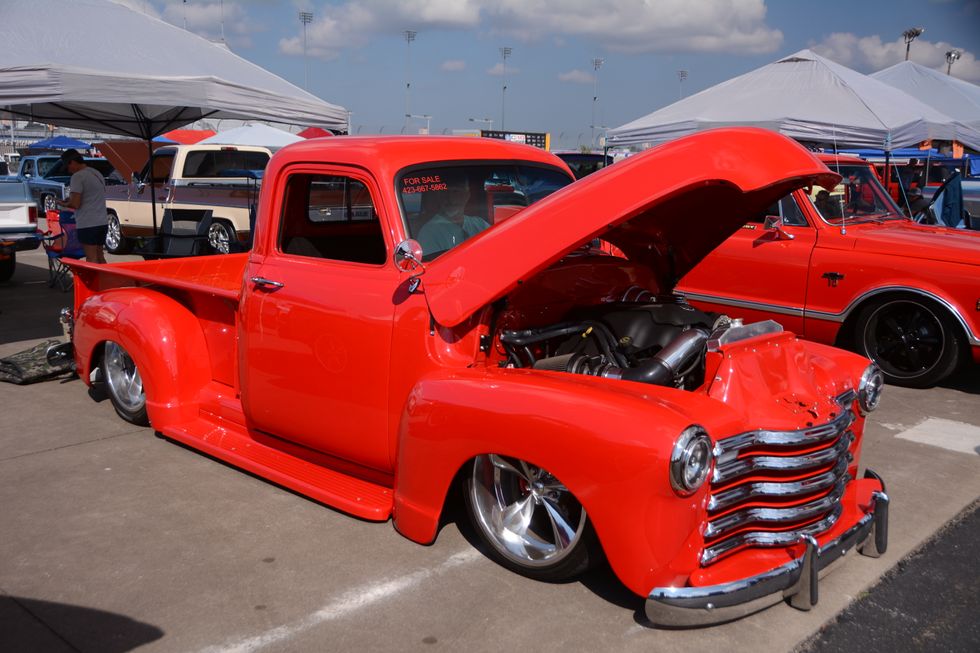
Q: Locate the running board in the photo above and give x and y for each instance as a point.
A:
(230, 444)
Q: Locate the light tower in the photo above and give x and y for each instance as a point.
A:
(305, 17)
(951, 56)
(409, 37)
(596, 65)
(681, 76)
(504, 53)
(910, 35)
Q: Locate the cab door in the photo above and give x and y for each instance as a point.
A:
(317, 320)
(759, 273)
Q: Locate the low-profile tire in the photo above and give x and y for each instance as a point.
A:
(916, 343)
(220, 236)
(115, 242)
(48, 203)
(123, 384)
(7, 267)
(529, 521)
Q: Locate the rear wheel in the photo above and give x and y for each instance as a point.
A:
(220, 236)
(530, 521)
(7, 266)
(115, 242)
(124, 385)
(914, 342)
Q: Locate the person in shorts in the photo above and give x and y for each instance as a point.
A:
(88, 199)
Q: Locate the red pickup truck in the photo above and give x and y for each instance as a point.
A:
(578, 406)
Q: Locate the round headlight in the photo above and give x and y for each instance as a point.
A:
(869, 390)
(690, 461)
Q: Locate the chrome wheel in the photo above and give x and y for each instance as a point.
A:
(50, 204)
(219, 237)
(124, 384)
(113, 234)
(526, 514)
(115, 242)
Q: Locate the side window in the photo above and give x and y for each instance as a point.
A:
(162, 163)
(792, 215)
(28, 168)
(331, 217)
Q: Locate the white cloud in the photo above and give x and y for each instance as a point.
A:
(577, 76)
(870, 54)
(498, 70)
(205, 19)
(735, 26)
(453, 65)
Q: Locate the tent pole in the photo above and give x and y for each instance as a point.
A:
(888, 170)
(153, 190)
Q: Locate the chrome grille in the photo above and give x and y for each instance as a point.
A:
(769, 488)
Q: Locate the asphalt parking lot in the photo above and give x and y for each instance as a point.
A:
(112, 539)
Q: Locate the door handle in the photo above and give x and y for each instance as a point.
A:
(266, 283)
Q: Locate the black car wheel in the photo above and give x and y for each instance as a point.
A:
(914, 342)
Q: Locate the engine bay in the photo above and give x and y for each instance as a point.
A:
(659, 340)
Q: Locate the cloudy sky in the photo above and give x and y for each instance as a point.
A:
(357, 55)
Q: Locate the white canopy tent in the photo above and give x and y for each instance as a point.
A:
(956, 98)
(806, 97)
(258, 135)
(98, 65)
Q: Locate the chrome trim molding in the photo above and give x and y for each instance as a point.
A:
(742, 303)
(769, 539)
(797, 580)
(840, 317)
(832, 317)
(741, 466)
(774, 489)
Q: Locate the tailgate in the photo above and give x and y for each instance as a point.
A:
(15, 220)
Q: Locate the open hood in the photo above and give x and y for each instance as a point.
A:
(666, 208)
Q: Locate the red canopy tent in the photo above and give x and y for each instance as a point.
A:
(314, 132)
(188, 136)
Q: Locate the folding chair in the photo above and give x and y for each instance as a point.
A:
(61, 241)
(184, 233)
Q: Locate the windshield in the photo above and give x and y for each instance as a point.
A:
(859, 197)
(46, 165)
(445, 205)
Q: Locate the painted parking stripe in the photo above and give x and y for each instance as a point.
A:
(955, 436)
(348, 603)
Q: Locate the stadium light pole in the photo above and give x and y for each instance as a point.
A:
(409, 35)
(305, 17)
(504, 53)
(951, 56)
(596, 65)
(910, 35)
(487, 121)
(681, 76)
(421, 116)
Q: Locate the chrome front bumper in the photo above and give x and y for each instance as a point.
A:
(796, 580)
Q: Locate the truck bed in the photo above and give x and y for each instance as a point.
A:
(219, 276)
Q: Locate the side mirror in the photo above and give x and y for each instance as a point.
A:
(408, 255)
(774, 223)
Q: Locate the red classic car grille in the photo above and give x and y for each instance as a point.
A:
(769, 488)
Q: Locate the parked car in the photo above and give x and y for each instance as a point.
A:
(187, 180)
(18, 224)
(585, 163)
(581, 406)
(858, 275)
(48, 178)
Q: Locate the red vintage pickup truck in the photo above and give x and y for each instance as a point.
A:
(578, 405)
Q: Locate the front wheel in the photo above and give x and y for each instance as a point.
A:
(915, 343)
(530, 521)
(115, 242)
(124, 384)
(49, 203)
(220, 236)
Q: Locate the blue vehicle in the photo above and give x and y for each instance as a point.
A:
(48, 179)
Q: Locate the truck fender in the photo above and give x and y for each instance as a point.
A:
(610, 448)
(162, 336)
